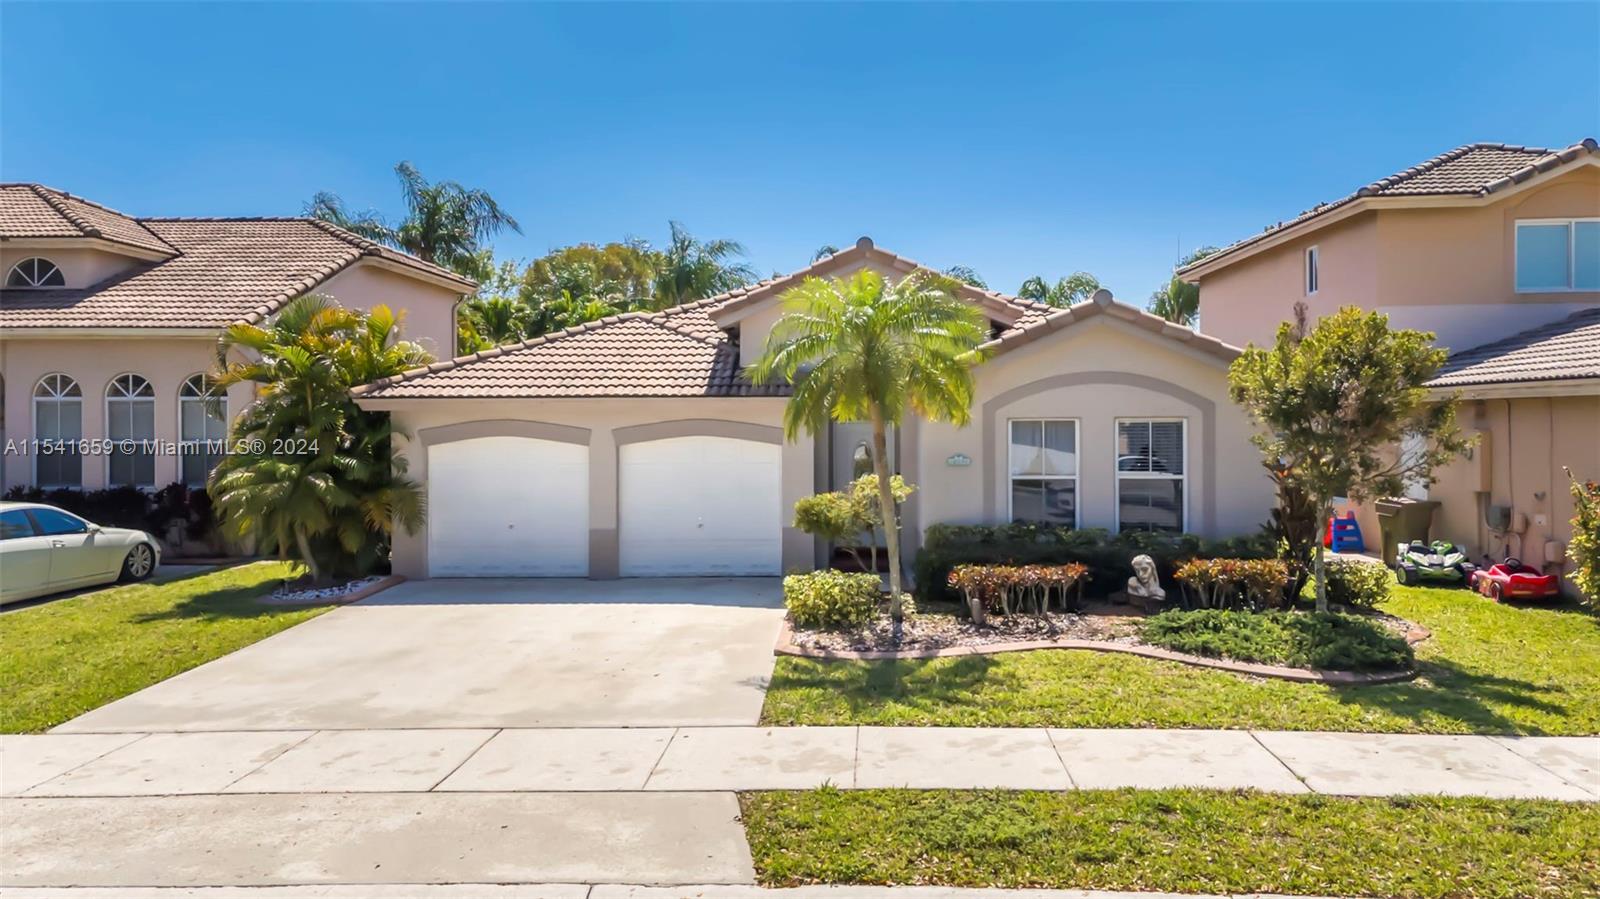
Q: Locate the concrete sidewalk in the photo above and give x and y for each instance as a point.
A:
(593, 891)
(653, 760)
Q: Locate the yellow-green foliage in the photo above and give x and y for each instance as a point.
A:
(833, 600)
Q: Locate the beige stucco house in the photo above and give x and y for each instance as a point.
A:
(108, 322)
(1496, 249)
(634, 446)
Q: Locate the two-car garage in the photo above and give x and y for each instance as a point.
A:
(524, 506)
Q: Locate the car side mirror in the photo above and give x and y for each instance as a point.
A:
(95, 529)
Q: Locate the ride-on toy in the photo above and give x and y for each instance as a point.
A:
(1440, 561)
(1511, 579)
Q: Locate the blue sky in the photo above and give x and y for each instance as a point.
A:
(1014, 139)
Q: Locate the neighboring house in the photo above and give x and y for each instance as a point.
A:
(633, 446)
(108, 324)
(1495, 249)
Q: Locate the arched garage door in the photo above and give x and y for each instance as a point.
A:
(699, 506)
(508, 507)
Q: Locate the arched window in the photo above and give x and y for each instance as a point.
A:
(35, 271)
(57, 426)
(202, 428)
(131, 426)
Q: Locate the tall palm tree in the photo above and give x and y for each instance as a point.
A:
(824, 251)
(967, 275)
(692, 269)
(445, 223)
(1179, 301)
(313, 475)
(1074, 288)
(860, 349)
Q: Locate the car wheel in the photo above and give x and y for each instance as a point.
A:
(1403, 575)
(139, 564)
(1495, 591)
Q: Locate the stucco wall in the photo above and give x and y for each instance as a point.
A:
(1096, 372)
(429, 309)
(601, 418)
(80, 267)
(1447, 269)
(165, 362)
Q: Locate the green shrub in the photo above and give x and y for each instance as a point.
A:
(1322, 640)
(1108, 556)
(1584, 548)
(833, 600)
(130, 507)
(1362, 585)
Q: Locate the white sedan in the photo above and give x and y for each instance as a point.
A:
(46, 550)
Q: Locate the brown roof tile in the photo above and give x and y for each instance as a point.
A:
(33, 210)
(1559, 351)
(221, 270)
(1473, 170)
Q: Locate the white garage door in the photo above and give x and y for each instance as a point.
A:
(508, 507)
(699, 506)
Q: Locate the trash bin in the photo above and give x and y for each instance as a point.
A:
(1402, 519)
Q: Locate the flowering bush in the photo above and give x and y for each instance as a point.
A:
(1230, 583)
(988, 588)
(1584, 549)
(833, 600)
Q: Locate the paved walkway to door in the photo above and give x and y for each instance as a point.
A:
(488, 654)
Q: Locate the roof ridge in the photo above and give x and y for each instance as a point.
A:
(53, 200)
(1103, 303)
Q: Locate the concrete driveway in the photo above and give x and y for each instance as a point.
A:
(488, 653)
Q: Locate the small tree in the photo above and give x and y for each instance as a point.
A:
(1335, 405)
(860, 349)
(841, 517)
(1584, 548)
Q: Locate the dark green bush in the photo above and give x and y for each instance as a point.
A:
(1329, 641)
(1362, 585)
(130, 507)
(833, 600)
(1109, 556)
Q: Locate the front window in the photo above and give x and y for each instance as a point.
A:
(35, 272)
(1044, 471)
(202, 428)
(53, 522)
(58, 426)
(131, 427)
(1558, 255)
(1151, 477)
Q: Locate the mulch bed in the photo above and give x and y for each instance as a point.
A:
(940, 630)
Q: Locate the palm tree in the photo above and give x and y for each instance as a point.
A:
(824, 251)
(691, 269)
(498, 320)
(313, 475)
(1179, 301)
(445, 223)
(1074, 288)
(967, 275)
(859, 349)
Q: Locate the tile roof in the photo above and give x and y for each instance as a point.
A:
(1559, 351)
(675, 352)
(684, 352)
(33, 210)
(218, 271)
(1473, 170)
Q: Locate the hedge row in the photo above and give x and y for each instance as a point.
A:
(130, 507)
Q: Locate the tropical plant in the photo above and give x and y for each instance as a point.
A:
(445, 223)
(691, 269)
(1336, 404)
(1584, 548)
(966, 274)
(824, 251)
(1074, 288)
(495, 321)
(831, 600)
(861, 349)
(1178, 301)
(620, 274)
(843, 517)
(311, 476)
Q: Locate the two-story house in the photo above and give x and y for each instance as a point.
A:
(108, 324)
(1495, 249)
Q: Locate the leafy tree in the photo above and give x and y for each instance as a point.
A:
(313, 477)
(860, 349)
(445, 223)
(1074, 288)
(1179, 301)
(1335, 404)
(1584, 548)
(494, 321)
(619, 274)
(692, 269)
(841, 517)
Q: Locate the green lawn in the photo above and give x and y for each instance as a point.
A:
(1177, 840)
(1488, 668)
(64, 658)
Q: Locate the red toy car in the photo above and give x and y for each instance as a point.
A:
(1513, 580)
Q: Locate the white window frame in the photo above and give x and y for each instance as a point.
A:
(1077, 468)
(59, 399)
(154, 430)
(1572, 253)
(1311, 276)
(1118, 474)
(186, 444)
(35, 283)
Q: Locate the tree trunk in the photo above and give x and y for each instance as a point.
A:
(891, 523)
(1326, 512)
(306, 558)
